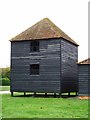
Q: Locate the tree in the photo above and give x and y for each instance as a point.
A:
(5, 72)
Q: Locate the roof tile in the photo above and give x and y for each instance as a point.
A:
(44, 29)
(86, 61)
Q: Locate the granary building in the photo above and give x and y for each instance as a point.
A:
(44, 59)
(84, 77)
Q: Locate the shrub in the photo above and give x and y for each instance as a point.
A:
(5, 72)
(5, 76)
(5, 82)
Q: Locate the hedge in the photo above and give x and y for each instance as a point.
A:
(5, 82)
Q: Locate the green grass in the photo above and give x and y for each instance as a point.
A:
(33, 107)
(4, 88)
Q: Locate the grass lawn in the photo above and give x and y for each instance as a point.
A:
(4, 88)
(34, 107)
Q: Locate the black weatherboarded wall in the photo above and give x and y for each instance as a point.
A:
(57, 58)
(84, 77)
(69, 70)
(49, 60)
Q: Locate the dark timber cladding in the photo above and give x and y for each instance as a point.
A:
(43, 59)
(84, 77)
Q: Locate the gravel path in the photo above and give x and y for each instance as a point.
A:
(4, 92)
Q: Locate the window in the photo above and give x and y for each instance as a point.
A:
(34, 46)
(34, 69)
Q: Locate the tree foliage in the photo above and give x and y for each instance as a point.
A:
(5, 72)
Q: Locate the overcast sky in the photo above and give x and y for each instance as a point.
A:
(17, 15)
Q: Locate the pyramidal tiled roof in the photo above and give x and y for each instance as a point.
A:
(44, 29)
(86, 61)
